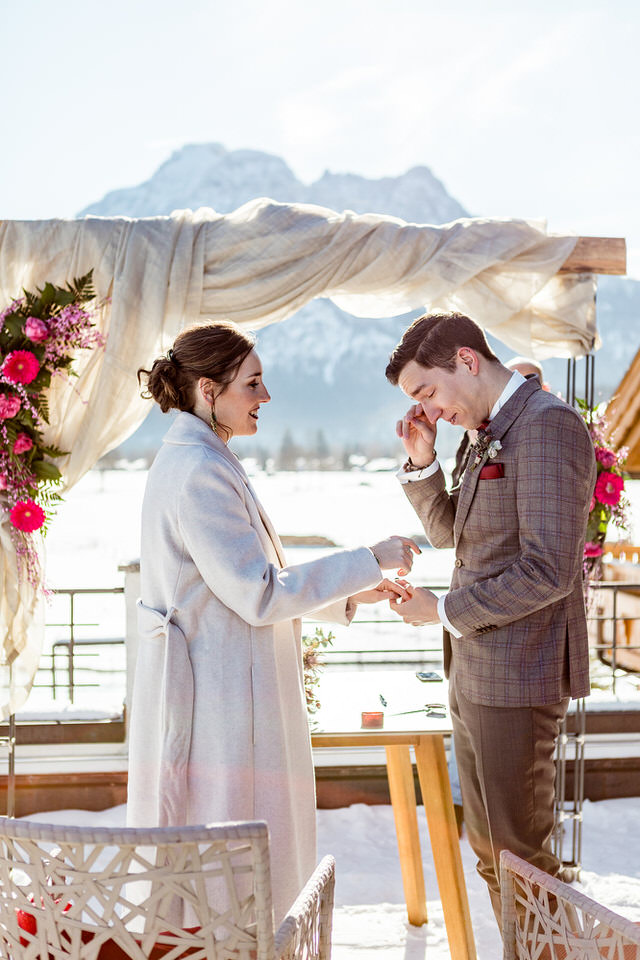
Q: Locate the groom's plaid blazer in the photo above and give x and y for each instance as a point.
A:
(516, 594)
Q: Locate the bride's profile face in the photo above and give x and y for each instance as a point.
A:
(237, 407)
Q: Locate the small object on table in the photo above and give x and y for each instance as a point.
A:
(430, 709)
(372, 719)
(428, 676)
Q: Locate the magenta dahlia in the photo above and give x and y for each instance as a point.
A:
(27, 516)
(592, 549)
(21, 366)
(609, 488)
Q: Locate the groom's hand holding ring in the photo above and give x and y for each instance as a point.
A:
(420, 608)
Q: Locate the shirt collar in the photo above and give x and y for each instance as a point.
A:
(516, 381)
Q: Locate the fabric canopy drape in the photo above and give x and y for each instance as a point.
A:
(256, 266)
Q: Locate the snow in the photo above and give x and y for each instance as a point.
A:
(370, 919)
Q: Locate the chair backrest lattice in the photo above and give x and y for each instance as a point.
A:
(546, 919)
(79, 893)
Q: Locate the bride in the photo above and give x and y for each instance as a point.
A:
(219, 725)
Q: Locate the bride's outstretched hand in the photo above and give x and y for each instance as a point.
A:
(386, 590)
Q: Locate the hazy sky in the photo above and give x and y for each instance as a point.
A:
(521, 109)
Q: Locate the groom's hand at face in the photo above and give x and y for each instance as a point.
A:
(418, 435)
(420, 608)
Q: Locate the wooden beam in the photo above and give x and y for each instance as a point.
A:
(597, 255)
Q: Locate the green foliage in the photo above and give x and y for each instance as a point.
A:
(312, 663)
(53, 452)
(46, 471)
(52, 299)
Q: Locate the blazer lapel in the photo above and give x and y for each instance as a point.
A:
(500, 424)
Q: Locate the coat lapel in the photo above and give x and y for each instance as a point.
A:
(187, 428)
(498, 427)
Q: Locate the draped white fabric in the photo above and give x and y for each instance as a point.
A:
(256, 266)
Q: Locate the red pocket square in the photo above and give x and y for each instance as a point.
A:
(492, 471)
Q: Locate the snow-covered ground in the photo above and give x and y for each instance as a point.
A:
(370, 919)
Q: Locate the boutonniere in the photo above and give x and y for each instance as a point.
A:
(484, 448)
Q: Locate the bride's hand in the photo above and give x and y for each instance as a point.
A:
(397, 590)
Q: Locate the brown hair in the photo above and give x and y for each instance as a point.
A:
(214, 350)
(434, 340)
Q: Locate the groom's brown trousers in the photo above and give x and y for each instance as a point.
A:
(505, 759)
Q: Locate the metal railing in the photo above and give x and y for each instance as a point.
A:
(605, 616)
(74, 646)
(617, 615)
(48, 666)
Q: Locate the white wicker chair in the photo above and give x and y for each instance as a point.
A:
(545, 919)
(80, 893)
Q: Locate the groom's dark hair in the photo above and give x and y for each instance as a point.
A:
(434, 340)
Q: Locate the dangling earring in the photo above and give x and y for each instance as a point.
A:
(213, 421)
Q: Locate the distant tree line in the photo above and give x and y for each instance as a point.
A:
(315, 453)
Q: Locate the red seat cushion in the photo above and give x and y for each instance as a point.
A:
(110, 949)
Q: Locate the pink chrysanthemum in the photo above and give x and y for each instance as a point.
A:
(23, 442)
(593, 549)
(4, 481)
(9, 406)
(593, 503)
(21, 366)
(606, 457)
(609, 488)
(27, 516)
(36, 330)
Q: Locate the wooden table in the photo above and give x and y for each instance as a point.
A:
(344, 696)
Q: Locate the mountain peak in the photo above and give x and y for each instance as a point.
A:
(209, 175)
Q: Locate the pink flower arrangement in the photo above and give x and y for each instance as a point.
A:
(40, 334)
(36, 330)
(22, 443)
(20, 366)
(9, 406)
(608, 504)
(27, 516)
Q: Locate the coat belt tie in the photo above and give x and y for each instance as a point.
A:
(175, 711)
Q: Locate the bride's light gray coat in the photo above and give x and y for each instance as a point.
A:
(218, 721)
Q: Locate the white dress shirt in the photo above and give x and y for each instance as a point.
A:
(516, 380)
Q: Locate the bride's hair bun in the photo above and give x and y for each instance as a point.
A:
(165, 385)
(213, 350)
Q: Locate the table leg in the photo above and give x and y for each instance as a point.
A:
(436, 796)
(403, 800)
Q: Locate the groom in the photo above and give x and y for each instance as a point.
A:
(515, 639)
